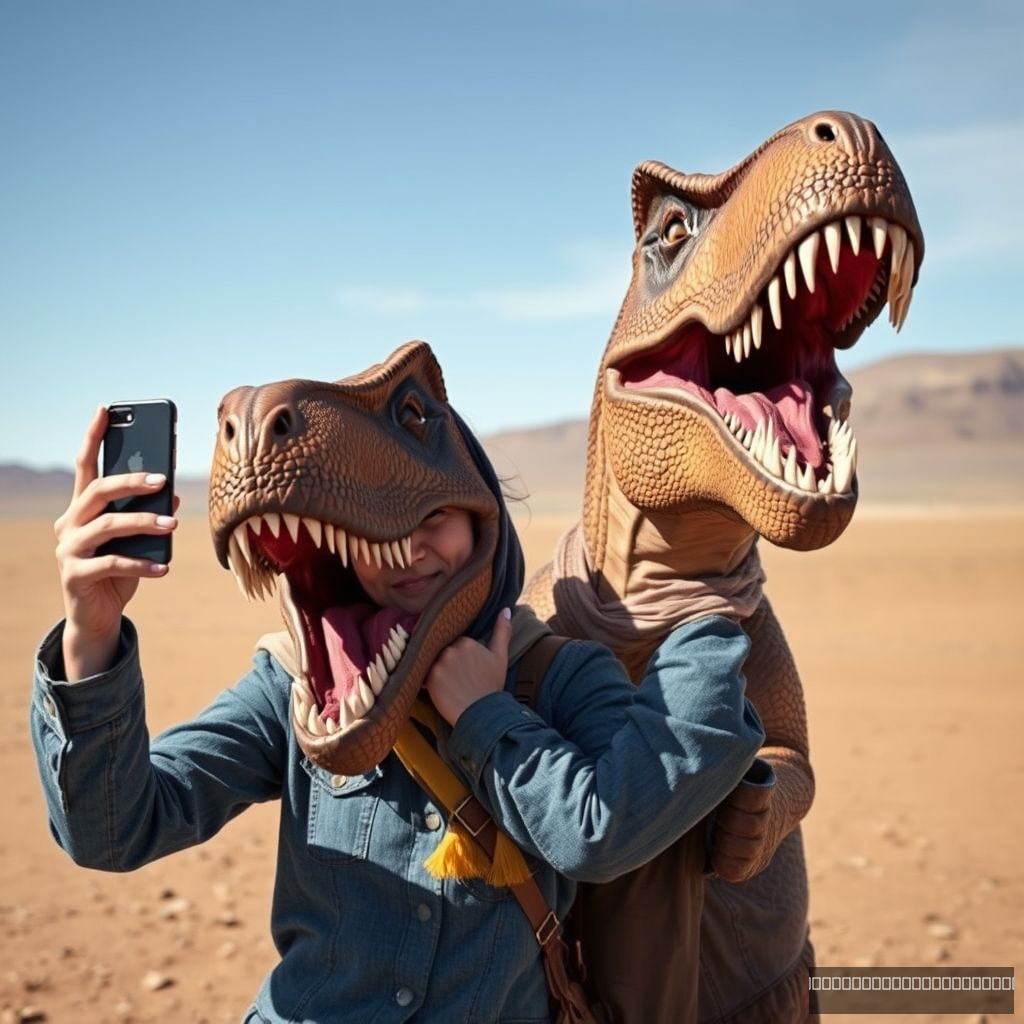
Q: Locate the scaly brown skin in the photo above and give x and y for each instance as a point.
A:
(309, 476)
(681, 479)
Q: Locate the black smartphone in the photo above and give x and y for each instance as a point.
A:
(141, 437)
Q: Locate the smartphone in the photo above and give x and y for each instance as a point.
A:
(141, 437)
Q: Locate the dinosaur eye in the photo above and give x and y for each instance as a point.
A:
(412, 412)
(675, 230)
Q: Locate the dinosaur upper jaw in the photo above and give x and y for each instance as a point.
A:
(359, 667)
(767, 387)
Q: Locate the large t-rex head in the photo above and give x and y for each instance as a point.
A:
(719, 384)
(310, 477)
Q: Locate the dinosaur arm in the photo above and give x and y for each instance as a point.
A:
(751, 822)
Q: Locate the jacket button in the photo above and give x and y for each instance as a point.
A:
(432, 821)
(337, 781)
(423, 912)
(404, 996)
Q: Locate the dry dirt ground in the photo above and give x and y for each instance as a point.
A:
(907, 633)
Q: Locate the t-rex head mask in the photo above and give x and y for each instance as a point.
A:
(308, 477)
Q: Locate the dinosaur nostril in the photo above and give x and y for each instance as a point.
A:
(825, 131)
(282, 425)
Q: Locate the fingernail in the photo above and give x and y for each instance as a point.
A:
(155, 478)
(506, 613)
(165, 520)
(158, 568)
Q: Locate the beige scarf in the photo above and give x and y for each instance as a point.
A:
(633, 625)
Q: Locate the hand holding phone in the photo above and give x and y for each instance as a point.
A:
(116, 529)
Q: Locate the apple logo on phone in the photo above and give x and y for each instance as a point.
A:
(135, 462)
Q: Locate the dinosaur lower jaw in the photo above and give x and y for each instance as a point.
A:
(772, 381)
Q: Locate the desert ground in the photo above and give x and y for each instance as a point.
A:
(907, 632)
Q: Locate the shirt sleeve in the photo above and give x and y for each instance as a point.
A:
(619, 773)
(115, 799)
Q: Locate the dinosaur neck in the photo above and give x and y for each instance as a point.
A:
(634, 548)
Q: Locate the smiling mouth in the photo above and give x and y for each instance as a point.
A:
(772, 379)
(349, 650)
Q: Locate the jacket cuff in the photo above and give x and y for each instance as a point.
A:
(93, 701)
(480, 727)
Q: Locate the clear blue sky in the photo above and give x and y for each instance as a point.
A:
(199, 195)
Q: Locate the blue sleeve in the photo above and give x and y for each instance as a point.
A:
(115, 800)
(619, 774)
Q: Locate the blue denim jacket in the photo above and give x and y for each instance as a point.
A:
(596, 780)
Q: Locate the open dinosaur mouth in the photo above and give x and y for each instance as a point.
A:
(349, 649)
(772, 379)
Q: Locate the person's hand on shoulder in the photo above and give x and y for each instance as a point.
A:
(467, 670)
(96, 587)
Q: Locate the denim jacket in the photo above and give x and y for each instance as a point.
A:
(595, 781)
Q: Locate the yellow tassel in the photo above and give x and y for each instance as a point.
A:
(457, 856)
(509, 866)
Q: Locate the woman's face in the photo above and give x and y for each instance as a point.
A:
(441, 546)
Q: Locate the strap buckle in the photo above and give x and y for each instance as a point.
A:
(457, 814)
(548, 929)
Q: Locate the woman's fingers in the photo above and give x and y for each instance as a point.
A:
(86, 539)
(86, 462)
(80, 572)
(101, 491)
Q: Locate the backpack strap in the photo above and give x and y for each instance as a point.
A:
(533, 667)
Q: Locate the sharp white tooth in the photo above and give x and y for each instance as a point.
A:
(806, 480)
(273, 521)
(366, 694)
(364, 550)
(353, 548)
(757, 444)
(407, 550)
(845, 466)
(897, 249)
(376, 682)
(314, 528)
(329, 537)
(853, 230)
(789, 469)
(832, 424)
(825, 487)
(403, 636)
(879, 233)
(747, 340)
(772, 458)
(728, 344)
(756, 321)
(737, 346)
(808, 252)
(899, 310)
(375, 551)
(789, 272)
(397, 641)
(905, 310)
(775, 301)
(256, 522)
(748, 436)
(356, 704)
(389, 555)
(389, 657)
(380, 666)
(833, 241)
(313, 723)
(242, 536)
(332, 726)
(236, 561)
(292, 523)
(341, 543)
(396, 553)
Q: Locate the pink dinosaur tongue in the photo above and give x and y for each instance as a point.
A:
(791, 411)
(354, 635)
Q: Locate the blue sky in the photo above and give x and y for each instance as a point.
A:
(199, 195)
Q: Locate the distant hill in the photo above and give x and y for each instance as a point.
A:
(930, 428)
